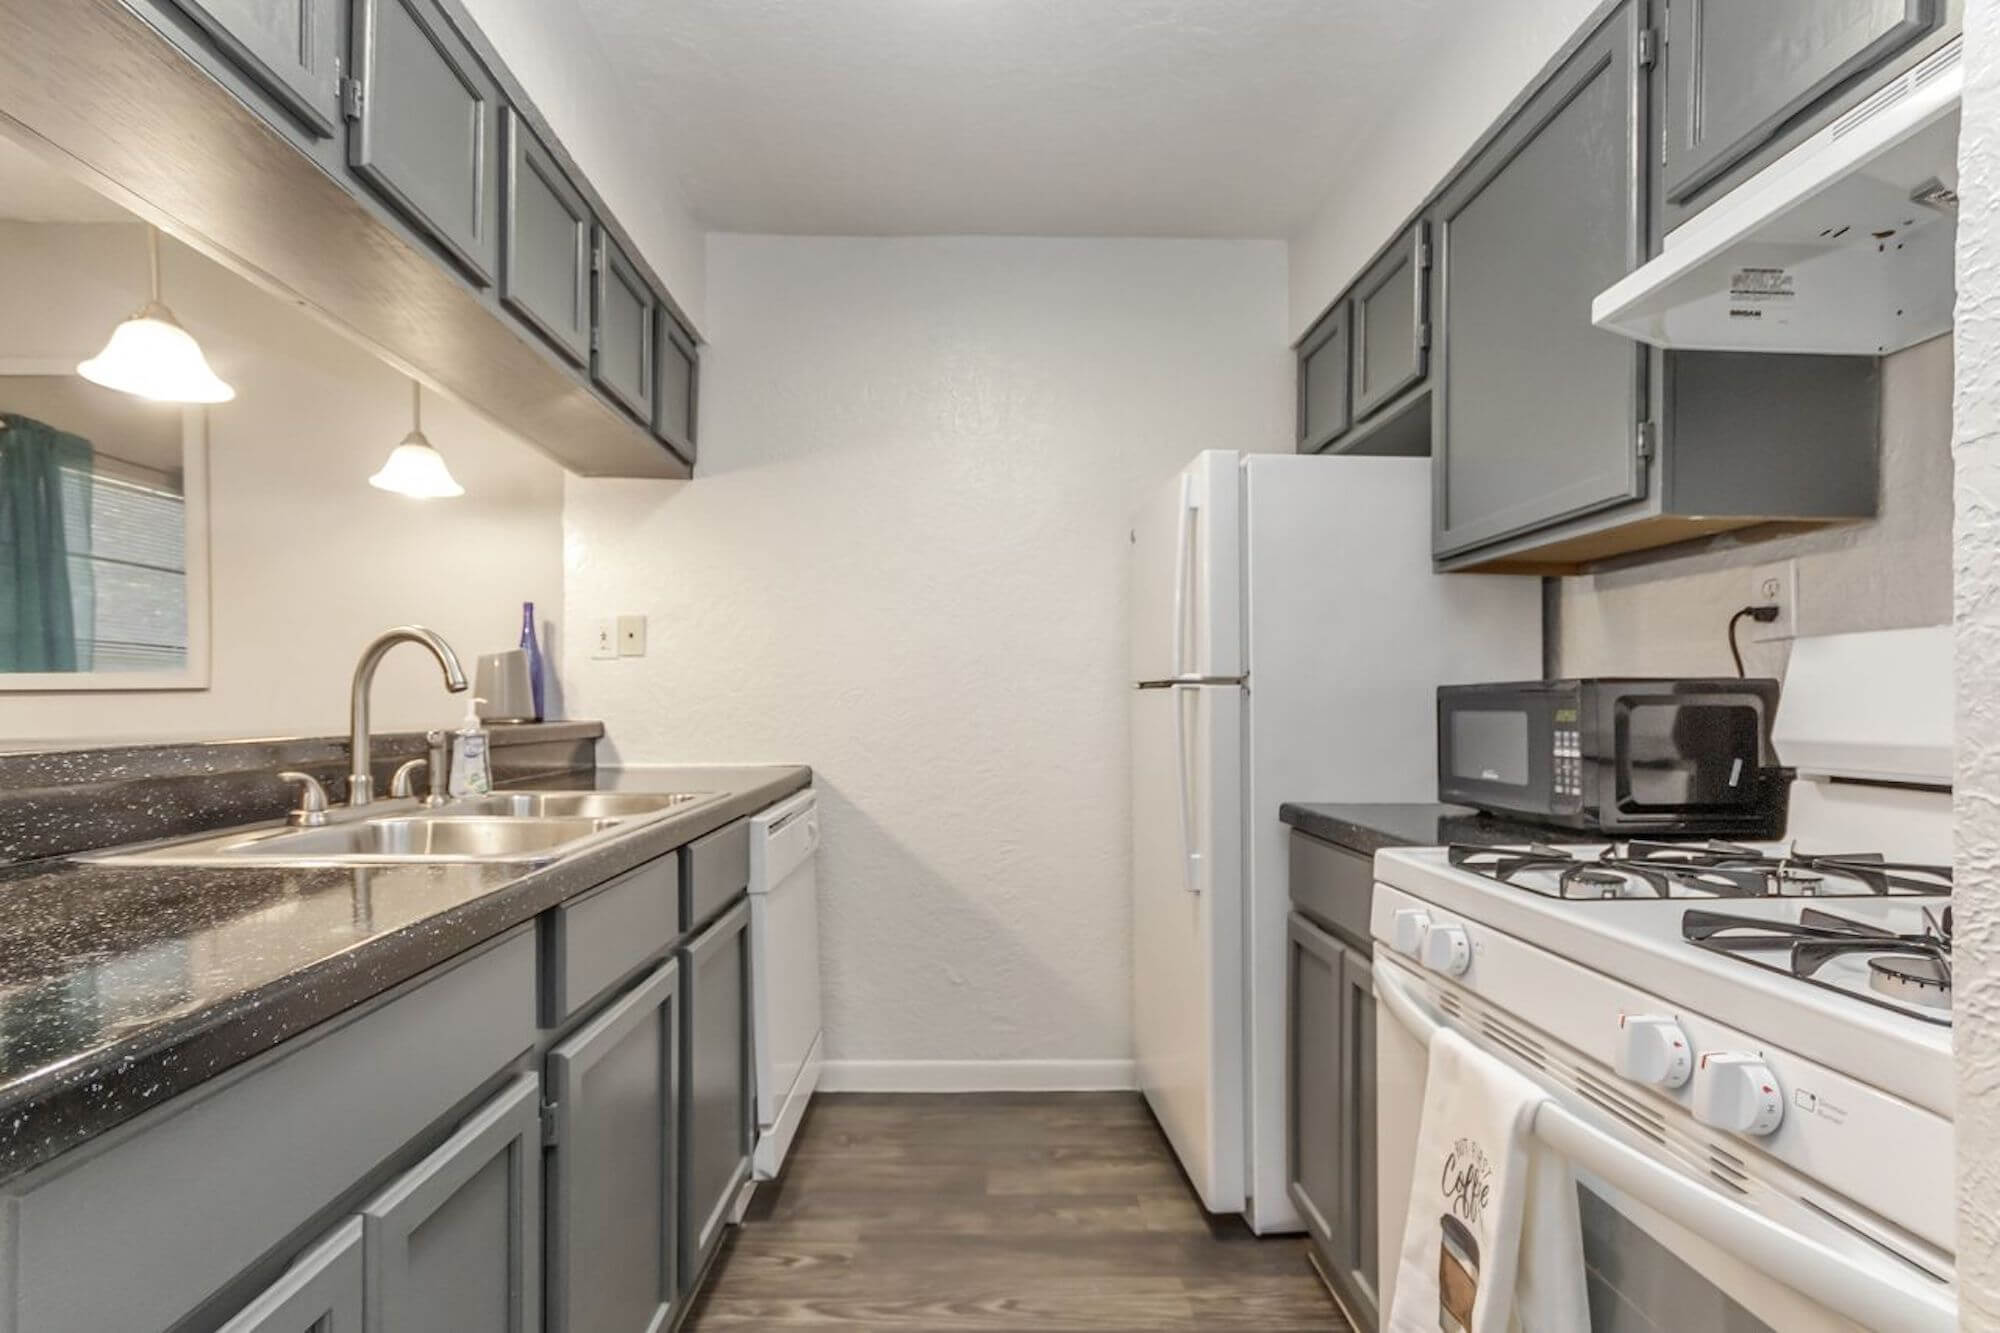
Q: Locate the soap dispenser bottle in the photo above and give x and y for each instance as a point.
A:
(471, 775)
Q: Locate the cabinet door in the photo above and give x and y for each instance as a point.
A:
(675, 385)
(321, 1293)
(612, 1198)
(456, 1242)
(715, 1092)
(1354, 1252)
(1316, 1116)
(1391, 329)
(427, 127)
(1737, 70)
(545, 247)
(1325, 408)
(289, 48)
(621, 358)
(1536, 413)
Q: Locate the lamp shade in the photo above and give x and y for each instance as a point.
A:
(151, 356)
(417, 470)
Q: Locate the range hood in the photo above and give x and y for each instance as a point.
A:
(1843, 245)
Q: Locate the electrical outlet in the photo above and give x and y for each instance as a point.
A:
(603, 639)
(1777, 585)
(631, 636)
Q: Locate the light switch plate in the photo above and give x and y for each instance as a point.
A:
(603, 639)
(1775, 583)
(631, 636)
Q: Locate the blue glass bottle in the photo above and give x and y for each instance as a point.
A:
(533, 648)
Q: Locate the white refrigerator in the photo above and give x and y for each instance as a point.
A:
(1288, 636)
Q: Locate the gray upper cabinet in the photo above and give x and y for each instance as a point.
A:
(321, 1293)
(675, 386)
(427, 127)
(456, 1242)
(1738, 70)
(1392, 330)
(612, 1198)
(291, 49)
(716, 1096)
(621, 358)
(1537, 415)
(1325, 402)
(545, 244)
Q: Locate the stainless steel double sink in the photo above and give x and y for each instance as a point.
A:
(519, 827)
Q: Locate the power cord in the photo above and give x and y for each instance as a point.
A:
(1763, 615)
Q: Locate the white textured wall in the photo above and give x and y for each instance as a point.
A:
(553, 51)
(1976, 899)
(903, 564)
(1668, 616)
(308, 561)
(1481, 61)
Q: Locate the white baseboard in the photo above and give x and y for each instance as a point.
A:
(977, 1076)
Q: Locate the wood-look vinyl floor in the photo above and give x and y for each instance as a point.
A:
(953, 1214)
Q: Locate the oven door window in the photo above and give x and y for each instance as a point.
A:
(1637, 1285)
(1490, 746)
(1677, 755)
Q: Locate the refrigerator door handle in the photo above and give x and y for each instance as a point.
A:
(1183, 548)
(1184, 791)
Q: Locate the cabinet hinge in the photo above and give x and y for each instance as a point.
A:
(548, 1124)
(351, 98)
(1649, 47)
(1424, 335)
(1424, 253)
(596, 340)
(1645, 439)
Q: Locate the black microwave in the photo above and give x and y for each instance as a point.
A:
(1653, 758)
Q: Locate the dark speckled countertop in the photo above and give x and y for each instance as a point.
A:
(123, 986)
(1369, 828)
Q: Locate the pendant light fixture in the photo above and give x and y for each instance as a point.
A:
(415, 468)
(151, 356)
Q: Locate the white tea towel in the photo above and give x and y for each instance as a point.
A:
(1492, 1241)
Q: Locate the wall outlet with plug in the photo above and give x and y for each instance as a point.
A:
(1775, 584)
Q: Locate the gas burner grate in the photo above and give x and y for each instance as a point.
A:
(1909, 972)
(1650, 870)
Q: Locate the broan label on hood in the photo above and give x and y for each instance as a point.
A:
(1754, 290)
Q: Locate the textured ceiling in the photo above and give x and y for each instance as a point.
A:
(1039, 117)
(33, 191)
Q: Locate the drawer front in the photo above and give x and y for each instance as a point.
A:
(714, 870)
(1333, 886)
(137, 1235)
(592, 942)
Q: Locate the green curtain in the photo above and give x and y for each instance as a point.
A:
(41, 595)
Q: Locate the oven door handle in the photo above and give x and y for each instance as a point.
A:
(1872, 1295)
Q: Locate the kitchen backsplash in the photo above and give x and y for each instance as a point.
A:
(1666, 614)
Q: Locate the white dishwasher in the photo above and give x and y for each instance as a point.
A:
(787, 1042)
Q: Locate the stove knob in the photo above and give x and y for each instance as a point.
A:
(1737, 1091)
(1407, 936)
(1447, 950)
(1653, 1049)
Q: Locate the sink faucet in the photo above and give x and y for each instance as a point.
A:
(360, 781)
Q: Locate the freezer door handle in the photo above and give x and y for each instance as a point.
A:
(1184, 791)
(1183, 578)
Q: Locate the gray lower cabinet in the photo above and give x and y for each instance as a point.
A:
(291, 49)
(321, 1293)
(1537, 415)
(545, 246)
(716, 1108)
(612, 1207)
(1739, 70)
(426, 131)
(456, 1242)
(1392, 332)
(1326, 405)
(621, 354)
(1330, 1089)
(676, 383)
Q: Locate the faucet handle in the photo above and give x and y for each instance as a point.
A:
(311, 811)
(404, 781)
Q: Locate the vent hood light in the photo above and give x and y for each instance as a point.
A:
(1843, 245)
(415, 468)
(151, 356)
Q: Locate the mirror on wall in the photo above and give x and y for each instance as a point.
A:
(103, 495)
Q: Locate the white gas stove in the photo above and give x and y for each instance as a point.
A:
(1769, 1022)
